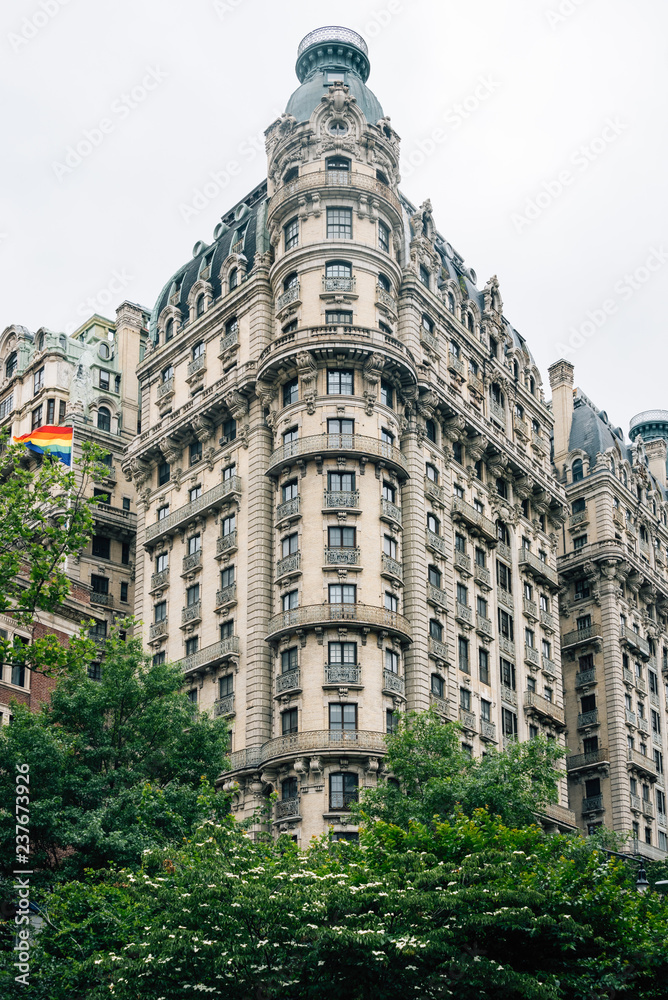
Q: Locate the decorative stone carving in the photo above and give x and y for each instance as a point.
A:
(308, 374)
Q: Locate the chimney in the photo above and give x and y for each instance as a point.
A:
(656, 456)
(561, 382)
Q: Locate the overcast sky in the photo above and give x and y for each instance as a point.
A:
(548, 166)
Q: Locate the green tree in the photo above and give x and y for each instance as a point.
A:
(116, 765)
(433, 776)
(46, 517)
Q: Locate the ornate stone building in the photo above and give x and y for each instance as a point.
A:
(86, 380)
(614, 614)
(347, 503)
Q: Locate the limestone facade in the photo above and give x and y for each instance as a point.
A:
(613, 559)
(347, 507)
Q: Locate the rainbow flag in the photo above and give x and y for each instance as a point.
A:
(50, 440)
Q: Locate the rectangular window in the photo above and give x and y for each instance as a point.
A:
(340, 383)
(160, 612)
(100, 584)
(339, 224)
(507, 673)
(50, 411)
(383, 237)
(291, 234)
(36, 418)
(159, 658)
(342, 716)
(341, 538)
(437, 686)
(579, 542)
(463, 654)
(505, 624)
(342, 652)
(289, 659)
(194, 544)
(290, 491)
(290, 601)
(290, 544)
(101, 546)
(225, 685)
(341, 482)
(508, 722)
(504, 577)
(125, 553)
(460, 543)
(227, 577)
(343, 790)
(195, 492)
(192, 595)
(462, 594)
(124, 593)
(290, 721)
(386, 394)
(391, 661)
(391, 602)
(227, 629)
(481, 607)
(229, 524)
(192, 645)
(485, 710)
(195, 452)
(342, 593)
(389, 492)
(38, 381)
(291, 392)
(391, 721)
(483, 666)
(162, 562)
(104, 380)
(389, 546)
(339, 317)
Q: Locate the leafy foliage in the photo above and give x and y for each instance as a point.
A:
(116, 765)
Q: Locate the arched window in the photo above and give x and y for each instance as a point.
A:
(169, 330)
(234, 278)
(451, 302)
(578, 471)
(103, 419)
(291, 281)
(338, 269)
(40, 342)
(431, 430)
(470, 322)
(11, 364)
(516, 370)
(200, 305)
(532, 385)
(380, 176)
(338, 168)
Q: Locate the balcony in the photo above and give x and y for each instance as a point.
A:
(476, 521)
(588, 761)
(463, 613)
(505, 599)
(559, 814)
(439, 650)
(430, 340)
(287, 809)
(507, 646)
(548, 621)
(289, 296)
(504, 552)
(229, 341)
(578, 520)
(288, 510)
(290, 680)
(196, 368)
(440, 704)
(483, 626)
(289, 565)
(191, 562)
(582, 636)
(549, 666)
(333, 178)
(223, 706)
(643, 725)
(435, 543)
(462, 563)
(641, 684)
(456, 365)
(353, 445)
(541, 444)
(521, 428)
(390, 567)
(468, 720)
(226, 544)
(434, 492)
(321, 615)
(343, 674)
(124, 521)
(627, 676)
(634, 641)
(546, 709)
(586, 719)
(354, 741)
(341, 499)
(482, 577)
(390, 512)
(226, 596)
(488, 731)
(333, 285)
(630, 717)
(530, 609)
(642, 763)
(158, 630)
(531, 656)
(497, 412)
(476, 383)
(594, 803)
(508, 695)
(191, 614)
(647, 809)
(634, 802)
(160, 580)
(342, 556)
(212, 500)
(384, 298)
(618, 518)
(585, 677)
(437, 597)
(393, 683)
(165, 390)
(534, 564)
(107, 600)
(209, 656)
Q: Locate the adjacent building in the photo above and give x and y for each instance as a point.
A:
(613, 557)
(346, 502)
(88, 381)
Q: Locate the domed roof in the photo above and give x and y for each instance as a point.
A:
(327, 54)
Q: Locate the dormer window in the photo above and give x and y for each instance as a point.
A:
(234, 278)
(169, 330)
(199, 309)
(451, 302)
(424, 276)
